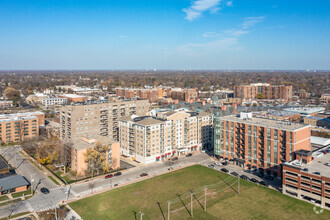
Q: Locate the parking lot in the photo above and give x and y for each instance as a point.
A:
(247, 175)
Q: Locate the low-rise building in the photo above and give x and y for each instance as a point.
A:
(12, 184)
(54, 101)
(317, 121)
(305, 111)
(308, 176)
(325, 98)
(73, 98)
(6, 104)
(79, 149)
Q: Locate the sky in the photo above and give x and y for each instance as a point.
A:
(164, 34)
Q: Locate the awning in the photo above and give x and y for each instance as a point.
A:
(163, 155)
(173, 152)
(158, 157)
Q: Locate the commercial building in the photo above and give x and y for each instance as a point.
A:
(13, 183)
(20, 126)
(97, 118)
(79, 149)
(308, 176)
(259, 143)
(264, 91)
(306, 111)
(317, 121)
(54, 101)
(36, 98)
(279, 115)
(149, 139)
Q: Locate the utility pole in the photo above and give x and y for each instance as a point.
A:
(55, 213)
(168, 210)
(141, 214)
(205, 199)
(238, 185)
(191, 203)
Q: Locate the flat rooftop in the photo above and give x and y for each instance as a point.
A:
(79, 144)
(306, 111)
(269, 123)
(316, 165)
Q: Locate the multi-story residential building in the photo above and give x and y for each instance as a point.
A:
(259, 143)
(6, 104)
(308, 177)
(73, 98)
(21, 126)
(188, 95)
(264, 90)
(79, 149)
(148, 139)
(317, 121)
(325, 98)
(152, 94)
(97, 118)
(54, 101)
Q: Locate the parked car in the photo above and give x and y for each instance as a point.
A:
(244, 177)
(212, 166)
(189, 155)
(269, 177)
(259, 174)
(118, 174)
(143, 174)
(234, 174)
(317, 173)
(44, 190)
(116, 184)
(218, 164)
(224, 163)
(263, 183)
(109, 176)
(224, 170)
(253, 180)
(174, 158)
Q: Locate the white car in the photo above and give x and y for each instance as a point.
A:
(218, 163)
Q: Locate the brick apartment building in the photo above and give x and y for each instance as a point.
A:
(152, 94)
(259, 143)
(97, 118)
(325, 98)
(20, 126)
(149, 139)
(308, 177)
(73, 97)
(6, 104)
(187, 95)
(79, 149)
(268, 91)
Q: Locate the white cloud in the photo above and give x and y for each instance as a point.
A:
(251, 21)
(229, 3)
(200, 6)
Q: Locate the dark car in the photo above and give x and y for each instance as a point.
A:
(224, 163)
(212, 166)
(109, 176)
(224, 170)
(44, 190)
(263, 183)
(143, 174)
(118, 174)
(234, 174)
(317, 173)
(259, 174)
(269, 178)
(174, 158)
(253, 180)
(244, 177)
(188, 155)
(116, 184)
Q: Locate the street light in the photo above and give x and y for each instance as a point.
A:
(141, 214)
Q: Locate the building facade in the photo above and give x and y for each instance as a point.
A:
(6, 104)
(258, 143)
(20, 126)
(149, 139)
(55, 101)
(97, 118)
(308, 177)
(264, 90)
(152, 94)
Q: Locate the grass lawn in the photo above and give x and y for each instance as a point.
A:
(54, 180)
(19, 194)
(253, 202)
(3, 198)
(67, 179)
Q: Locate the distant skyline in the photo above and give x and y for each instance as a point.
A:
(164, 34)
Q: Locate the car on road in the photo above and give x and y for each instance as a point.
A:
(234, 174)
(269, 177)
(211, 166)
(244, 177)
(224, 170)
(189, 155)
(143, 174)
(253, 180)
(264, 183)
(118, 174)
(317, 173)
(44, 190)
(116, 184)
(218, 164)
(108, 176)
(174, 158)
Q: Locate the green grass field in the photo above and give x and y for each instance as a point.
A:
(253, 201)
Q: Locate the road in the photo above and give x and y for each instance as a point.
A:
(41, 202)
(25, 168)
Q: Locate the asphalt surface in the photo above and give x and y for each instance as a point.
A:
(42, 202)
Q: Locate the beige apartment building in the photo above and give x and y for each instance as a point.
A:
(148, 139)
(20, 126)
(97, 118)
(79, 149)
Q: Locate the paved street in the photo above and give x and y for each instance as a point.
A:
(41, 201)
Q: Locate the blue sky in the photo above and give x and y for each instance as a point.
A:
(164, 34)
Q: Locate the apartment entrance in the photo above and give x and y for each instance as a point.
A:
(239, 162)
